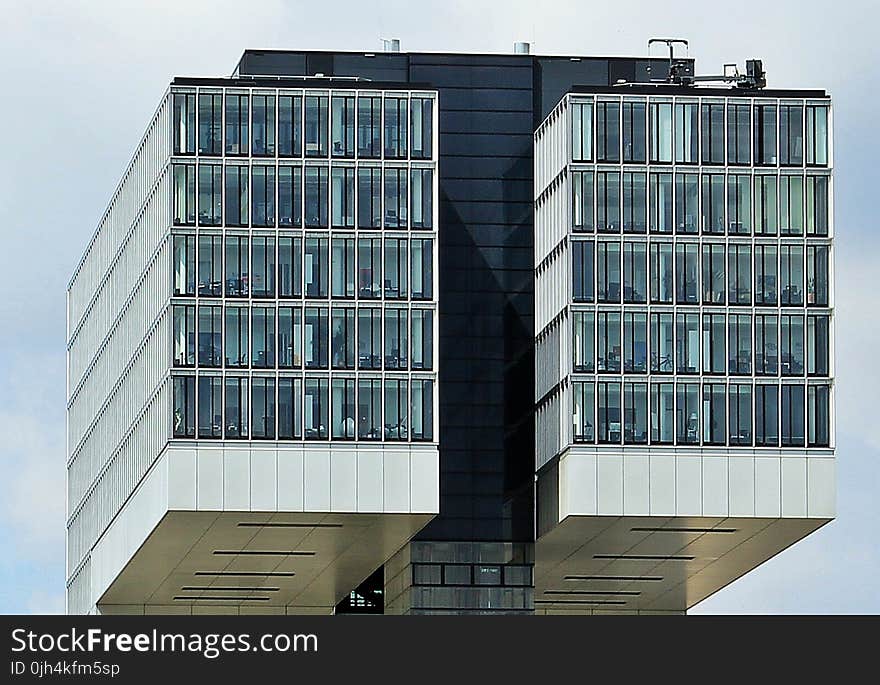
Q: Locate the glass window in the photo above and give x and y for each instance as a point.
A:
(395, 198)
(791, 201)
(766, 215)
(766, 415)
(817, 275)
(765, 275)
(713, 273)
(582, 270)
(713, 133)
(635, 413)
(661, 343)
(369, 409)
(395, 268)
(634, 131)
(817, 344)
(608, 131)
(422, 120)
(687, 202)
(739, 274)
(582, 131)
(609, 346)
(635, 342)
(634, 202)
(583, 410)
(422, 339)
(661, 273)
(740, 410)
(713, 203)
(315, 267)
(342, 401)
(184, 320)
(661, 132)
(584, 331)
(316, 125)
(210, 266)
(739, 344)
(263, 404)
(236, 196)
(210, 336)
(422, 268)
(686, 273)
(342, 345)
(396, 345)
(316, 196)
(289, 337)
(236, 407)
(263, 338)
(236, 347)
(817, 135)
(582, 201)
(792, 416)
(819, 415)
(210, 124)
(660, 218)
(635, 272)
(290, 126)
(686, 133)
(792, 275)
(739, 204)
(237, 274)
(290, 408)
(817, 205)
(183, 265)
(210, 194)
(395, 127)
(369, 338)
(765, 135)
(370, 268)
(608, 202)
(210, 407)
(687, 413)
(184, 392)
(289, 266)
(263, 143)
(608, 424)
(766, 345)
(236, 124)
(608, 268)
(184, 194)
(422, 412)
(791, 135)
(315, 333)
(289, 196)
(369, 197)
(422, 202)
(263, 206)
(662, 412)
(714, 332)
(342, 194)
(342, 267)
(369, 126)
(342, 126)
(687, 343)
(792, 344)
(396, 409)
(315, 408)
(714, 414)
(739, 144)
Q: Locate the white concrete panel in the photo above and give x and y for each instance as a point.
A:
(794, 486)
(636, 488)
(395, 473)
(317, 480)
(821, 487)
(609, 477)
(263, 480)
(767, 491)
(343, 479)
(236, 480)
(688, 486)
(425, 481)
(181, 478)
(741, 486)
(577, 485)
(290, 480)
(715, 498)
(369, 481)
(662, 495)
(209, 479)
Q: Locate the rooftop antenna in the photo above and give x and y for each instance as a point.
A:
(678, 71)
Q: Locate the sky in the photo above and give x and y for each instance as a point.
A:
(82, 79)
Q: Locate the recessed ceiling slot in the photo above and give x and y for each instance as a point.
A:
(218, 598)
(645, 557)
(623, 579)
(625, 593)
(280, 524)
(263, 552)
(683, 530)
(228, 588)
(247, 574)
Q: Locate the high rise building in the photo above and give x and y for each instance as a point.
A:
(444, 333)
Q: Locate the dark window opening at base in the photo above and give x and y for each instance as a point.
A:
(366, 598)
